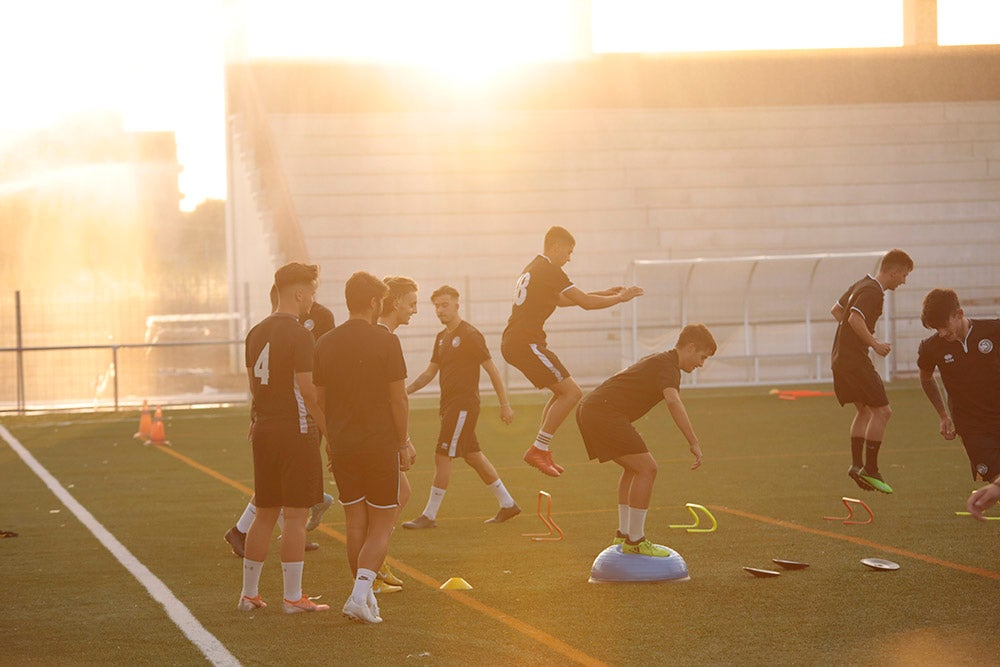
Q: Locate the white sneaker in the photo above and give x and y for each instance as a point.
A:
(373, 606)
(317, 510)
(359, 612)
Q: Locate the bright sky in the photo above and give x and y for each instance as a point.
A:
(160, 64)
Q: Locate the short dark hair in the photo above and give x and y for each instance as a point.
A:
(295, 273)
(558, 234)
(896, 259)
(939, 306)
(700, 336)
(398, 286)
(443, 290)
(360, 289)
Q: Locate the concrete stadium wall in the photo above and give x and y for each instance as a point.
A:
(464, 195)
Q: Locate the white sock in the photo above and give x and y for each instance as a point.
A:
(503, 496)
(434, 502)
(623, 519)
(543, 440)
(243, 525)
(292, 574)
(363, 585)
(636, 524)
(251, 577)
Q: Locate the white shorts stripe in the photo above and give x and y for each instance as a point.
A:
(548, 364)
(459, 425)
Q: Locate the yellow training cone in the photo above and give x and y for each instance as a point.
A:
(456, 584)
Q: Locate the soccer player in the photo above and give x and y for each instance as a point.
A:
(398, 306)
(605, 418)
(459, 352)
(966, 353)
(542, 287)
(318, 320)
(854, 377)
(287, 466)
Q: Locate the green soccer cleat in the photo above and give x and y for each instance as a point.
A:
(645, 548)
(875, 479)
(855, 473)
(619, 539)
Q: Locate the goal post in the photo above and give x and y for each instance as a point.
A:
(770, 314)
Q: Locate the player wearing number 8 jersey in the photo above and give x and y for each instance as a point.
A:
(541, 288)
(287, 467)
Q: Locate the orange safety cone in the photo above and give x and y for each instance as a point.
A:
(145, 423)
(158, 434)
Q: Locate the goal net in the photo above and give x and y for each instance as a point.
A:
(769, 314)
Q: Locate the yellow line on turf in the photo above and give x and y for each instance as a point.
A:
(516, 624)
(988, 574)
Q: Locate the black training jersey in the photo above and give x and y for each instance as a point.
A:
(354, 364)
(460, 353)
(865, 297)
(536, 296)
(277, 348)
(318, 320)
(635, 390)
(970, 370)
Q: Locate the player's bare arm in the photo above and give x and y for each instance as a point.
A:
(423, 379)
(574, 296)
(837, 311)
(311, 399)
(399, 403)
(933, 394)
(680, 416)
(857, 322)
(506, 412)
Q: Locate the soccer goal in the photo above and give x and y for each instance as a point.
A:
(770, 314)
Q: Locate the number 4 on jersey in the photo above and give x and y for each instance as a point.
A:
(261, 370)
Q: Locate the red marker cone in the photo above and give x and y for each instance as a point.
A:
(158, 435)
(145, 423)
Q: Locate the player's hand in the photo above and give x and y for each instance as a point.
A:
(407, 456)
(696, 452)
(948, 428)
(981, 500)
(630, 293)
(882, 349)
(506, 414)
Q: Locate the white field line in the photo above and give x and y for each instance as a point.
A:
(211, 648)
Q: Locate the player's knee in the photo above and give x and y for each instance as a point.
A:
(884, 412)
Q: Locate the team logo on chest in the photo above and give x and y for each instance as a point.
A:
(986, 346)
(949, 358)
(309, 324)
(456, 341)
(982, 469)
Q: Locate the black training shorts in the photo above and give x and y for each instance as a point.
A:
(538, 363)
(287, 465)
(607, 433)
(859, 384)
(369, 475)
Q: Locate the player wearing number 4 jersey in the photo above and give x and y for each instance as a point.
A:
(287, 467)
(541, 288)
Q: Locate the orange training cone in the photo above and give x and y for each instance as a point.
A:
(145, 423)
(158, 435)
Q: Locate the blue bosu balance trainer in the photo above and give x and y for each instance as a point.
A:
(614, 567)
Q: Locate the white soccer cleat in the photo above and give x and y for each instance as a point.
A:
(250, 603)
(359, 612)
(317, 510)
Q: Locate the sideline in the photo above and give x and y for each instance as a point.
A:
(988, 574)
(210, 647)
(515, 624)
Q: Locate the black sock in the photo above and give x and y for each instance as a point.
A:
(857, 452)
(871, 455)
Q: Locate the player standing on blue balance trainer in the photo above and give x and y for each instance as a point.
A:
(459, 352)
(605, 418)
(855, 379)
(542, 287)
(967, 354)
